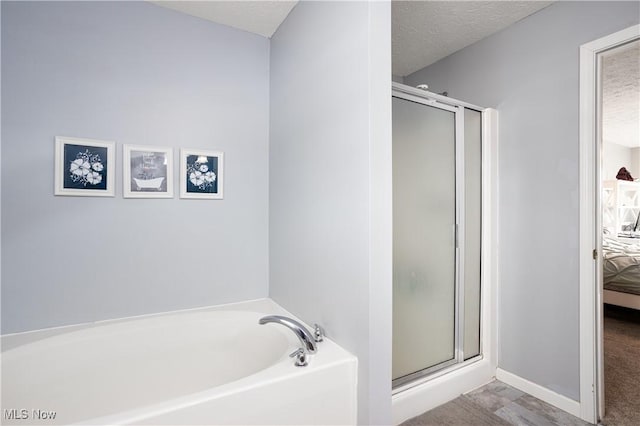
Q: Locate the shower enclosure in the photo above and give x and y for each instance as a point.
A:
(437, 204)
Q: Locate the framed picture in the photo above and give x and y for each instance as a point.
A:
(147, 171)
(84, 167)
(201, 174)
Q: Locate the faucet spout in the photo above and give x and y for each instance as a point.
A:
(307, 340)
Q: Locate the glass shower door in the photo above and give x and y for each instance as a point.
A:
(424, 237)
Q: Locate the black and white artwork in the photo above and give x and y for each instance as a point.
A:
(84, 167)
(201, 174)
(147, 172)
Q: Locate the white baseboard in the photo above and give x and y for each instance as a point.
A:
(428, 395)
(540, 392)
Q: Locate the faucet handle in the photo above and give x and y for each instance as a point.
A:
(301, 357)
(318, 333)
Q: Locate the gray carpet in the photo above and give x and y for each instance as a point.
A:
(621, 366)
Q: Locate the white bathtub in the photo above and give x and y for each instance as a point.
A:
(206, 366)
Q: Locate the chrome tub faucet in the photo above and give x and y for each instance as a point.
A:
(307, 340)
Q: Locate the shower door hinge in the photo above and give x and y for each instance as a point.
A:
(595, 254)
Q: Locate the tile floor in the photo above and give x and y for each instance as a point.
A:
(496, 404)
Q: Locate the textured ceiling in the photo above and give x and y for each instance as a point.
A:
(427, 31)
(422, 31)
(259, 17)
(621, 95)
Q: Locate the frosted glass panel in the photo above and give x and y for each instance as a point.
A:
(472, 237)
(423, 236)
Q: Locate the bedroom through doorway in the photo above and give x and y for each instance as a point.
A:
(619, 123)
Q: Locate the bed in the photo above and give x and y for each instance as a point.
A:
(621, 271)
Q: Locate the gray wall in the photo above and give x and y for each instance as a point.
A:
(330, 75)
(530, 73)
(135, 73)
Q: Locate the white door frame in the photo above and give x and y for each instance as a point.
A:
(591, 360)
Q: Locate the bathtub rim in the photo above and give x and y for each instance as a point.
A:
(23, 337)
(262, 305)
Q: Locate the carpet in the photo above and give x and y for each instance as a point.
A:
(621, 366)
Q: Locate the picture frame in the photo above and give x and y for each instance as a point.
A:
(84, 167)
(147, 171)
(201, 174)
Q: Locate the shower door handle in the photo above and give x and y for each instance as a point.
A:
(455, 235)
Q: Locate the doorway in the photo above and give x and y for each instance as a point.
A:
(619, 78)
(605, 217)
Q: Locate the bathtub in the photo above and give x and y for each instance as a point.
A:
(205, 366)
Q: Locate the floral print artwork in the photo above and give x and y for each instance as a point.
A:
(85, 167)
(201, 174)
